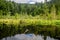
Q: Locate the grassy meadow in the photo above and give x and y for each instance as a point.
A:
(30, 21)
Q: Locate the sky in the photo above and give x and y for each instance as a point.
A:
(26, 1)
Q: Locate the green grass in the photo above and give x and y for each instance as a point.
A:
(30, 21)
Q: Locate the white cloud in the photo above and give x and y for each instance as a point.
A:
(40, 0)
(32, 3)
(21, 1)
(26, 1)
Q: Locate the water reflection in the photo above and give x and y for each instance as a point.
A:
(28, 37)
(23, 32)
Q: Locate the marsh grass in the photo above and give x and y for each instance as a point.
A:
(30, 21)
(10, 27)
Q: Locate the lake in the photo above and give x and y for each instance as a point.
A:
(29, 32)
(28, 37)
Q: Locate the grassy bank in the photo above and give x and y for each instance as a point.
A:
(10, 27)
(30, 21)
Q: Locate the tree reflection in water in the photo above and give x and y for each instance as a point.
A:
(46, 30)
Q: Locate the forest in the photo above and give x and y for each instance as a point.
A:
(47, 10)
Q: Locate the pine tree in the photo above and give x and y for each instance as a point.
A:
(53, 12)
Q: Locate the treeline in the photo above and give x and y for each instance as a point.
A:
(48, 9)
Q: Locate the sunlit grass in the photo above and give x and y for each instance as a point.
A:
(30, 21)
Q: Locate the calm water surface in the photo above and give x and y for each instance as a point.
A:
(28, 37)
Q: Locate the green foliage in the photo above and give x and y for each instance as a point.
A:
(46, 10)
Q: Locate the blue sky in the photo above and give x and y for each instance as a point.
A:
(26, 1)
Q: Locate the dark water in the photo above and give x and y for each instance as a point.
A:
(28, 37)
(30, 32)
